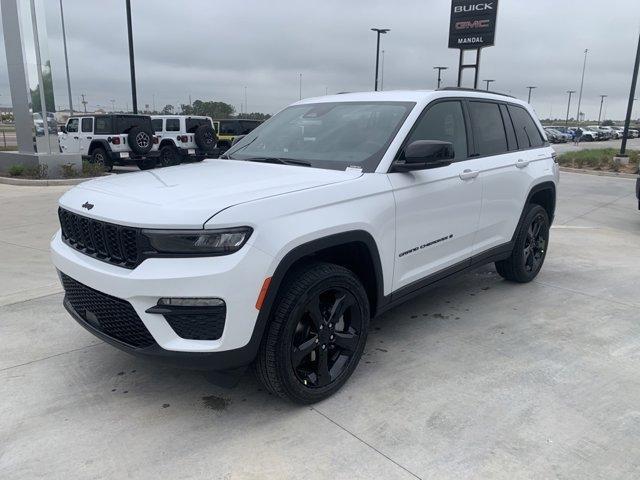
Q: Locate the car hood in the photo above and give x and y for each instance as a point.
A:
(186, 196)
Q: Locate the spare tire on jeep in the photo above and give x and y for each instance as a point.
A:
(140, 140)
(206, 137)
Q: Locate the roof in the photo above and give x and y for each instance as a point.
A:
(417, 96)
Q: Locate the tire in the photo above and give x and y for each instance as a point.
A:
(169, 156)
(302, 316)
(205, 137)
(526, 260)
(99, 157)
(140, 140)
(146, 164)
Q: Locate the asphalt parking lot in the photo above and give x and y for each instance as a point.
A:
(478, 379)
(632, 143)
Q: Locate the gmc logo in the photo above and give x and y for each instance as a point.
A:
(473, 8)
(469, 25)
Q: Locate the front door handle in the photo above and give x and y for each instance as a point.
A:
(75, 138)
(468, 174)
(522, 163)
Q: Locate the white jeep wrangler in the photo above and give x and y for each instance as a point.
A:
(110, 139)
(331, 212)
(183, 137)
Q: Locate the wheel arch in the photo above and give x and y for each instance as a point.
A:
(98, 144)
(364, 257)
(543, 194)
(167, 142)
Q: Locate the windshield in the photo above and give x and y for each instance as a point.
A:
(326, 135)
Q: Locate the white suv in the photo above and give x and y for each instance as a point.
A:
(331, 212)
(110, 139)
(184, 137)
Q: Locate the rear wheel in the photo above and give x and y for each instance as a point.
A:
(530, 247)
(169, 156)
(146, 164)
(317, 333)
(99, 157)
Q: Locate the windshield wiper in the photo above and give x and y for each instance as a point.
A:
(279, 160)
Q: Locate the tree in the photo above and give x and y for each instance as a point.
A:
(608, 123)
(209, 108)
(167, 110)
(256, 116)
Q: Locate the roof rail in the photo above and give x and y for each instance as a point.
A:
(463, 89)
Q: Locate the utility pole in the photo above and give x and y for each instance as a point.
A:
(487, 83)
(627, 120)
(300, 86)
(132, 67)
(570, 92)
(66, 58)
(440, 69)
(382, 72)
(379, 31)
(602, 97)
(153, 96)
(84, 103)
(584, 66)
(113, 105)
(529, 98)
(246, 109)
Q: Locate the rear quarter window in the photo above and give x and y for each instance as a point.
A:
(156, 123)
(192, 124)
(527, 132)
(103, 126)
(126, 123)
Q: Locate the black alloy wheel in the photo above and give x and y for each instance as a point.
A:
(535, 243)
(326, 337)
(316, 334)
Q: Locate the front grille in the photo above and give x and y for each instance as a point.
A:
(110, 315)
(201, 326)
(110, 243)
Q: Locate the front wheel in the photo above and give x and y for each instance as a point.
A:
(316, 335)
(530, 247)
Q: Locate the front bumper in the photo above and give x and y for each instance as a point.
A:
(235, 278)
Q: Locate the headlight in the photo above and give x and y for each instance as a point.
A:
(198, 242)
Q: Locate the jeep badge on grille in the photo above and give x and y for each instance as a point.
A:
(87, 205)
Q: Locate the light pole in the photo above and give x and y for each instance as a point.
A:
(379, 31)
(113, 105)
(440, 69)
(299, 86)
(570, 92)
(132, 67)
(382, 72)
(584, 66)
(66, 58)
(602, 97)
(487, 82)
(246, 109)
(632, 92)
(529, 98)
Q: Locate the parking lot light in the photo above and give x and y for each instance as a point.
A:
(602, 97)
(379, 31)
(487, 82)
(529, 98)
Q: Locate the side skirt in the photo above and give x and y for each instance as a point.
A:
(418, 287)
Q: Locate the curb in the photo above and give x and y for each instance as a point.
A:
(43, 183)
(598, 173)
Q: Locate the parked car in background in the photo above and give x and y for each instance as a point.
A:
(230, 128)
(612, 131)
(554, 136)
(602, 132)
(183, 137)
(564, 130)
(633, 133)
(619, 130)
(111, 139)
(584, 134)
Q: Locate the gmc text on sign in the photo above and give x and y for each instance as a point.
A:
(473, 24)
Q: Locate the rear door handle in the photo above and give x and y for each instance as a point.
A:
(89, 138)
(522, 163)
(75, 138)
(468, 174)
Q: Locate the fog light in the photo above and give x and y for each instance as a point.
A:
(191, 302)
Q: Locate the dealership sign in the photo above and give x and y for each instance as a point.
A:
(473, 24)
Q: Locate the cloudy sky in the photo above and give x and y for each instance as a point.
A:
(211, 50)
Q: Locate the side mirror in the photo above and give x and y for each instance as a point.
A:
(424, 154)
(63, 129)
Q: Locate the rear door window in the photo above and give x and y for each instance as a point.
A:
(173, 125)
(87, 125)
(527, 132)
(488, 128)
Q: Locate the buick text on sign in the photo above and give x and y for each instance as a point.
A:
(473, 24)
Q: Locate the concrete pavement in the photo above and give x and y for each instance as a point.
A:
(478, 379)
